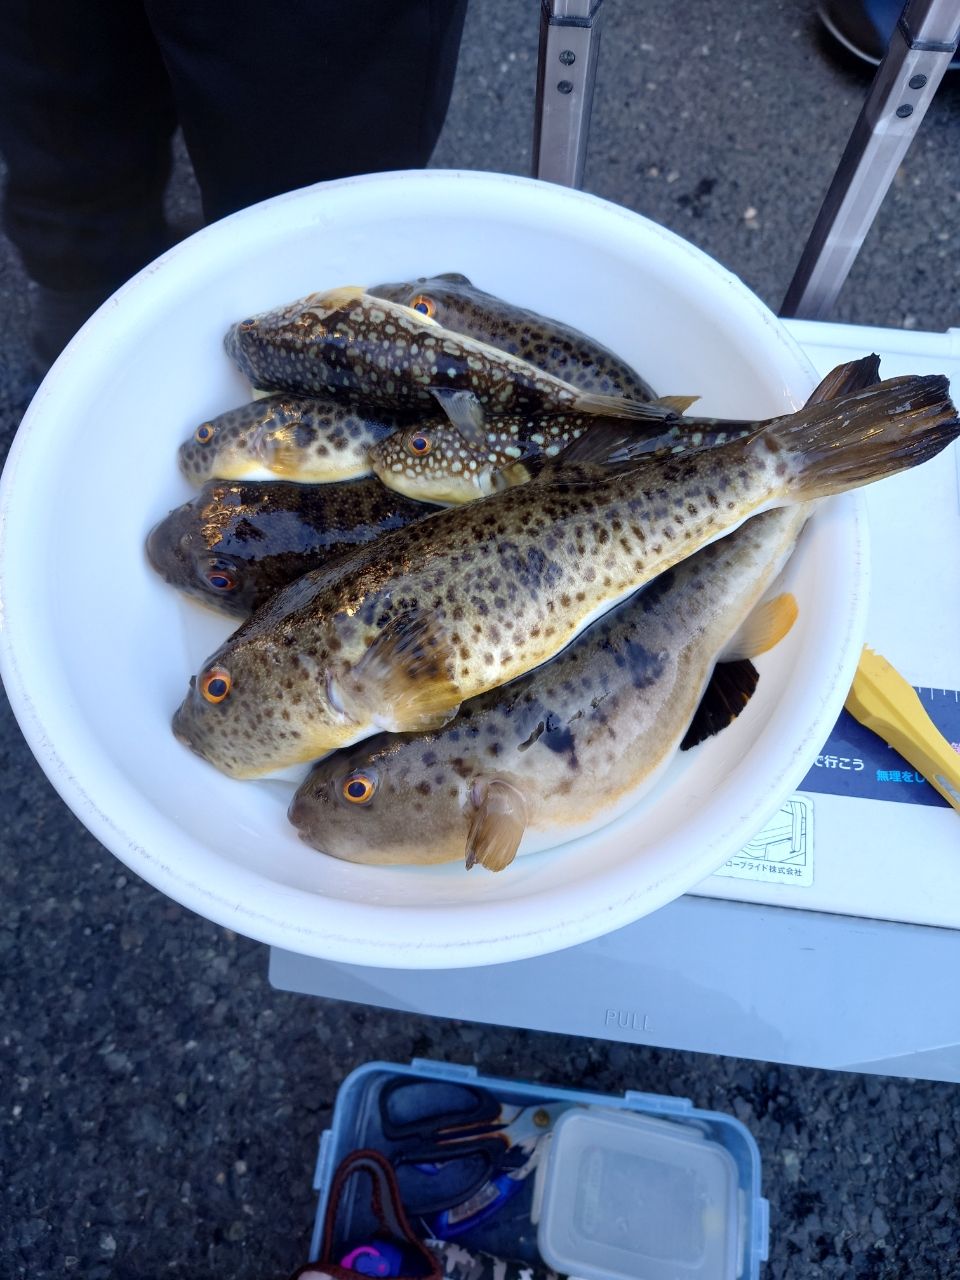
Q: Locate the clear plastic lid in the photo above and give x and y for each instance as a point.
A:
(629, 1197)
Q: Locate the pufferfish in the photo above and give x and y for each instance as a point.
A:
(350, 345)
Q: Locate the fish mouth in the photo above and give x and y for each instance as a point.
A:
(163, 549)
(231, 342)
(300, 812)
(180, 732)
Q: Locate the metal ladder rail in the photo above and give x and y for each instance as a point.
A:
(919, 53)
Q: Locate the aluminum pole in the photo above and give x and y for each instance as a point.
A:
(569, 41)
(920, 51)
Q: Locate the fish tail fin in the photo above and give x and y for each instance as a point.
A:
(865, 436)
(855, 375)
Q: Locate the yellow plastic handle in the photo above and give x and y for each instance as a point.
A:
(883, 701)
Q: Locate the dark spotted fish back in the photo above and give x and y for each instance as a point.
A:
(558, 348)
(347, 344)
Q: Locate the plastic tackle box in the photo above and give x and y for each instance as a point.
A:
(511, 1232)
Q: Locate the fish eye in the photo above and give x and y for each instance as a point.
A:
(204, 433)
(426, 306)
(247, 324)
(359, 787)
(215, 684)
(221, 578)
(419, 444)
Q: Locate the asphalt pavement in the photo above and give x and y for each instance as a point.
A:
(163, 1103)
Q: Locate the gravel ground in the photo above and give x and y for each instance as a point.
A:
(164, 1102)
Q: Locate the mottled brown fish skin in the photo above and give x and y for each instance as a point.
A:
(349, 345)
(589, 730)
(434, 462)
(307, 439)
(238, 542)
(549, 344)
(396, 635)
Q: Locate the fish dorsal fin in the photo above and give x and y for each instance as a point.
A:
(620, 445)
(344, 295)
(728, 691)
(405, 677)
(767, 625)
(497, 825)
(605, 445)
(465, 412)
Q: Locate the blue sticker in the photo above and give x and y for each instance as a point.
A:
(855, 762)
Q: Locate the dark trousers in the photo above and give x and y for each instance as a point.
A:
(271, 96)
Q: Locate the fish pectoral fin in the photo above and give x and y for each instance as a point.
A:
(728, 691)
(405, 677)
(766, 626)
(679, 404)
(513, 474)
(465, 412)
(497, 825)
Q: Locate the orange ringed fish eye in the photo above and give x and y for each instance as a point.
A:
(215, 684)
(426, 306)
(221, 579)
(204, 433)
(246, 324)
(419, 444)
(358, 788)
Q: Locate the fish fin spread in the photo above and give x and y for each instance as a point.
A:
(344, 295)
(728, 691)
(518, 472)
(619, 446)
(767, 625)
(497, 825)
(679, 404)
(654, 412)
(864, 436)
(404, 678)
(855, 375)
(604, 445)
(465, 412)
(281, 454)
